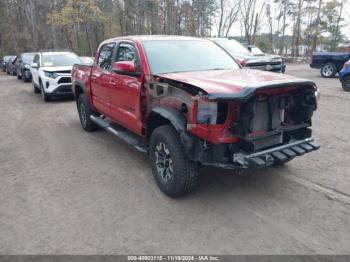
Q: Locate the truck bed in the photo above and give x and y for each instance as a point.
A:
(321, 58)
(81, 73)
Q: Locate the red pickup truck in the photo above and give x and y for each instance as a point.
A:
(187, 103)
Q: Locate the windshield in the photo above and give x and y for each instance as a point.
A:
(7, 58)
(28, 57)
(233, 47)
(185, 56)
(59, 59)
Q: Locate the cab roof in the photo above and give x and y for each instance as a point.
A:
(144, 38)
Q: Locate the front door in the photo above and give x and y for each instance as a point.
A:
(125, 91)
(100, 78)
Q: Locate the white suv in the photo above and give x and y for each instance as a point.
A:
(51, 73)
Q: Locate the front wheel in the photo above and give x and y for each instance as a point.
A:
(35, 90)
(25, 79)
(176, 175)
(45, 97)
(346, 83)
(328, 70)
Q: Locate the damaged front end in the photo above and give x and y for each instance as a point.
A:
(261, 126)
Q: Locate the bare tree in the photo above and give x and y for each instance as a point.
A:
(251, 17)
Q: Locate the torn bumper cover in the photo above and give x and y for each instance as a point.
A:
(276, 155)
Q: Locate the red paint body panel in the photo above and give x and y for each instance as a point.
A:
(124, 99)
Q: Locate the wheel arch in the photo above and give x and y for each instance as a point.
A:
(79, 88)
(169, 116)
(163, 116)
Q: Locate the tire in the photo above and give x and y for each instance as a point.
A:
(85, 112)
(180, 176)
(25, 80)
(328, 70)
(346, 83)
(19, 77)
(45, 97)
(35, 90)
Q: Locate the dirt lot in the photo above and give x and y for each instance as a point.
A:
(65, 191)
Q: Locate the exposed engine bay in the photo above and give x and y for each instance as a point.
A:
(268, 126)
(266, 121)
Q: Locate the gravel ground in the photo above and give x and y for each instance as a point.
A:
(65, 191)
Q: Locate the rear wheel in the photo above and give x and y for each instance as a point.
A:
(84, 114)
(346, 83)
(328, 70)
(176, 175)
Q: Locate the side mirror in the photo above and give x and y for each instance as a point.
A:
(242, 62)
(34, 65)
(125, 68)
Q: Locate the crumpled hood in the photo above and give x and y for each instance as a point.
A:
(228, 82)
(57, 68)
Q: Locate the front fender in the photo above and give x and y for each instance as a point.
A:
(179, 122)
(175, 117)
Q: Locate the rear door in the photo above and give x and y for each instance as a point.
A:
(125, 90)
(100, 77)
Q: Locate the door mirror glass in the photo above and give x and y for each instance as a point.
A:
(34, 65)
(125, 67)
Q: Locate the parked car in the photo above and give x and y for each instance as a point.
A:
(187, 103)
(5, 60)
(256, 51)
(51, 73)
(11, 66)
(344, 76)
(247, 59)
(329, 63)
(23, 66)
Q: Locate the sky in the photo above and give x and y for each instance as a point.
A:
(264, 27)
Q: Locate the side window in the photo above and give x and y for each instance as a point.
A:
(105, 56)
(127, 52)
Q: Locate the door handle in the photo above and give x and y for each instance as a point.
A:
(93, 77)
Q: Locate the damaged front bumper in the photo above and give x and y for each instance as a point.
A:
(276, 155)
